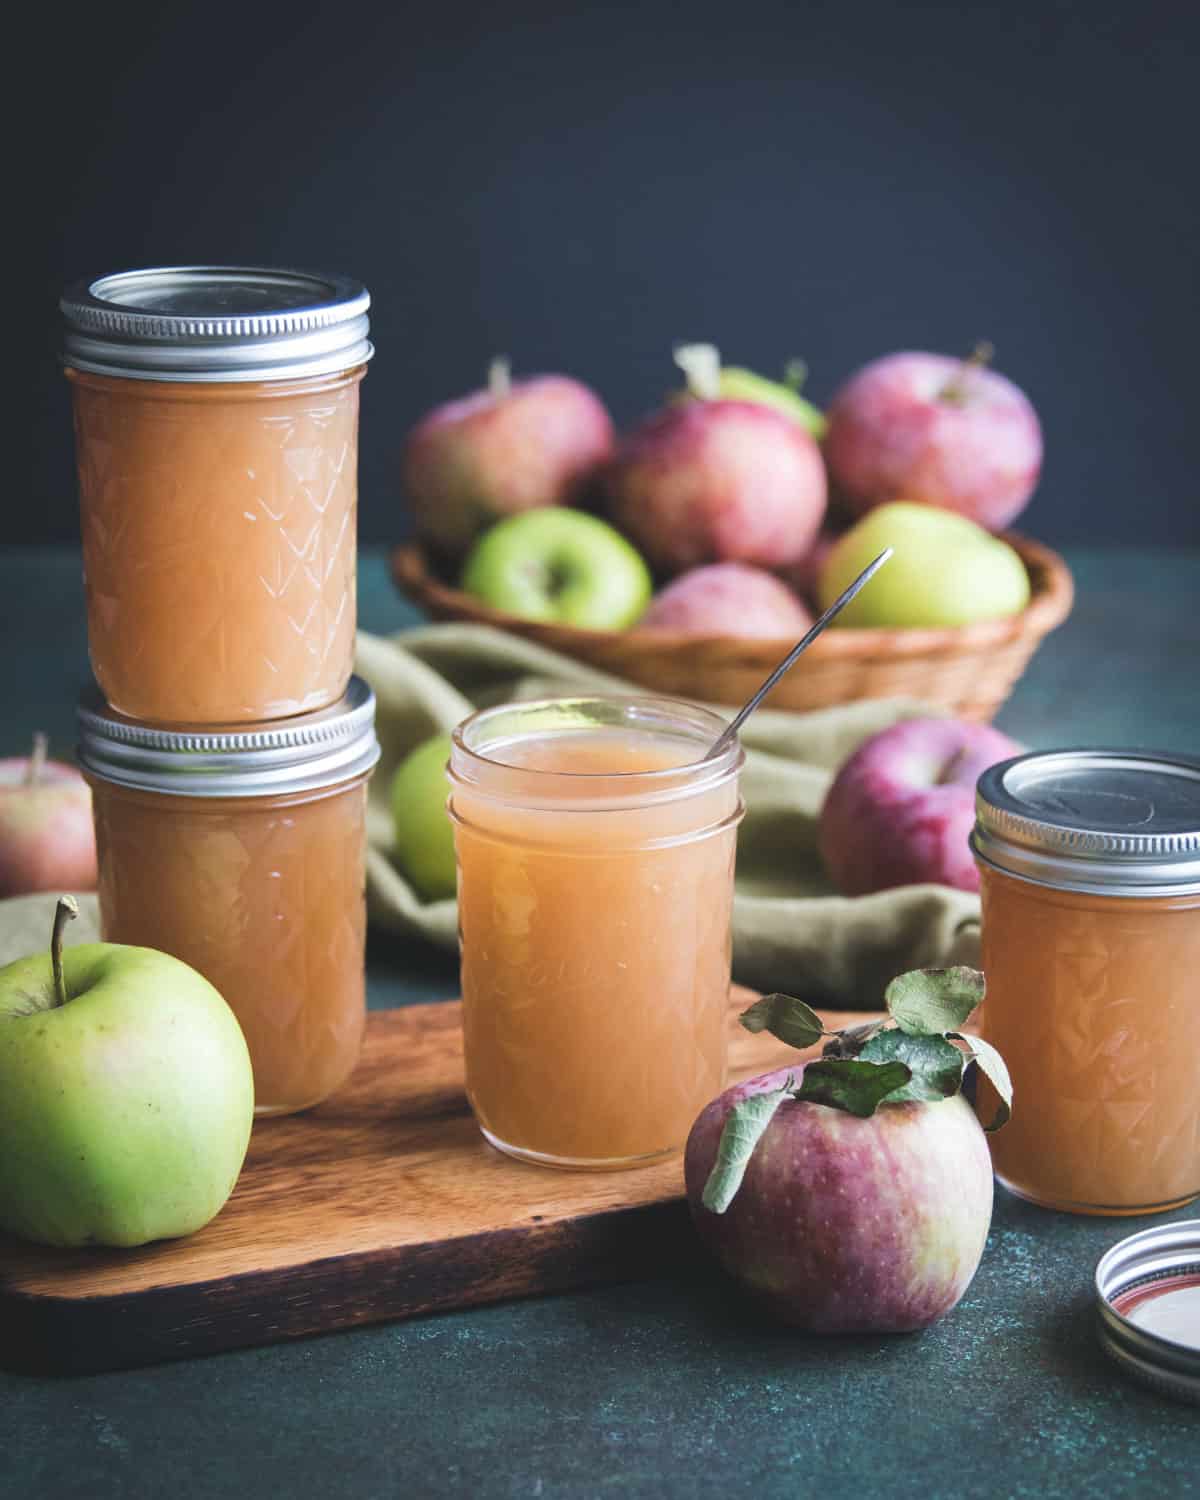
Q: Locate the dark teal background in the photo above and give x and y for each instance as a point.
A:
(582, 185)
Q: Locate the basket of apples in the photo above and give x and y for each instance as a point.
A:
(687, 555)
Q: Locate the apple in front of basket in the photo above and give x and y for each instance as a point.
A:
(126, 1095)
(852, 1193)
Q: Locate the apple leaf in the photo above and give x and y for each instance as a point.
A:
(936, 1066)
(992, 1066)
(787, 1018)
(744, 1126)
(849, 1084)
(932, 1002)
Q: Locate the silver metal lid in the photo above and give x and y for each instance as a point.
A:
(302, 754)
(215, 323)
(1106, 822)
(1148, 1295)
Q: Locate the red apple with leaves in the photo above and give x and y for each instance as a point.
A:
(853, 1193)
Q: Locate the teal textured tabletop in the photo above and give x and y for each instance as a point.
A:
(666, 1387)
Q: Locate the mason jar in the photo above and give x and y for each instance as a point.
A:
(216, 439)
(595, 853)
(242, 852)
(1090, 883)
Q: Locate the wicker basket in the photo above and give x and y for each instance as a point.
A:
(968, 669)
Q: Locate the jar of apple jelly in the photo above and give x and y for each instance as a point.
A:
(1090, 881)
(216, 429)
(242, 852)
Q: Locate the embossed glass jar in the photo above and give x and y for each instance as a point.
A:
(242, 852)
(595, 848)
(1090, 882)
(216, 431)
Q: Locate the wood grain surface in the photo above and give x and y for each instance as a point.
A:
(384, 1202)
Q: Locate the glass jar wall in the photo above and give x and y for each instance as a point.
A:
(596, 853)
(216, 437)
(243, 854)
(1090, 884)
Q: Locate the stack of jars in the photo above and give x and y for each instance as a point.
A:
(228, 745)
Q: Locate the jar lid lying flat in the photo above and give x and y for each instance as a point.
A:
(302, 754)
(1148, 1295)
(215, 323)
(1107, 822)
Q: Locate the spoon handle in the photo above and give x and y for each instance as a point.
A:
(729, 734)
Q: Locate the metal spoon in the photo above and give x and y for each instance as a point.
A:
(729, 734)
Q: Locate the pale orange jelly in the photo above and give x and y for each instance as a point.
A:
(264, 896)
(218, 529)
(595, 892)
(1094, 1001)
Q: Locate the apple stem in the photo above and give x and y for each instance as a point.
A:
(37, 759)
(66, 910)
(955, 389)
(701, 363)
(795, 373)
(500, 377)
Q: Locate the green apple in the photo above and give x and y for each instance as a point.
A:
(559, 565)
(738, 384)
(126, 1095)
(946, 570)
(424, 836)
(710, 380)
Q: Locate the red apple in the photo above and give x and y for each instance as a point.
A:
(509, 448)
(848, 1225)
(47, 842)
(937, 430)
(900, 810)
(728, 599)
(718, 481)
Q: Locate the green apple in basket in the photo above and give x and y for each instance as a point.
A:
(945, 571)
(559, 566)
(126, 1095)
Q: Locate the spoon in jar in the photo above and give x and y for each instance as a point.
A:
(729, 733)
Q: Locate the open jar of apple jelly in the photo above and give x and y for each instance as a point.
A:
(242, 852)
(1090, 882)
(595, 848)
(216, 432)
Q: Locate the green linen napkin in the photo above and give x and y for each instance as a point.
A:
(791, 930)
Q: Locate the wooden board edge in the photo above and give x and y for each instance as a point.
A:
(49, 1335)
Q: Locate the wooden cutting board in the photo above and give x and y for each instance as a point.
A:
(384, 1202)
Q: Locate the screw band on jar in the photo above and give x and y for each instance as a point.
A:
(309, 752)
(215, 323)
